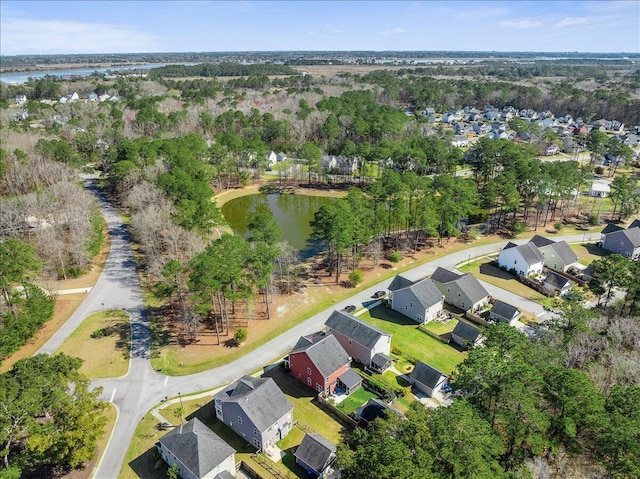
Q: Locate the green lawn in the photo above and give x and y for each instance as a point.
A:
(490, 273)
(588, 253)
(412, 341)
(355, 400)
(441, 327)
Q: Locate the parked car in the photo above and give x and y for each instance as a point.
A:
(379, 294)
(350, 309)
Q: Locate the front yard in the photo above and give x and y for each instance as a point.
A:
(485, 270)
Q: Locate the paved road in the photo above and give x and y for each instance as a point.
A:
(142, 388)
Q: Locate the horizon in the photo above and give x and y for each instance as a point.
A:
(502, 26)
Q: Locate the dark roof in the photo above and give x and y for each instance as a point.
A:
(325, 352)
(378, 360)
(541, 241)
(634, 224)
(427, 375)
(530, 253)
(350, 378)
(441, 275)
(633, 234)
(374, 408)
(399, 282)
(224, 475)
(315, 451)
(564, 252)
(557, 281)
(197, 447)
(504, 310)
(261, 400)
(426, 292)
(353, 328)
(468, 283)
(466, 331)
(610, 228)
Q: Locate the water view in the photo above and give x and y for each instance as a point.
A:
(292, 212)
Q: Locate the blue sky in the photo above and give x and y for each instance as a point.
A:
(31, 27)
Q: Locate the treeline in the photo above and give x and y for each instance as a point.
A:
(558, 405)
(220, 70)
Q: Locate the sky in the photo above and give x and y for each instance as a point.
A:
(120, 26)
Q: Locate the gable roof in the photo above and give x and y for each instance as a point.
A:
(197, 447)
(632, 235)
(427, 375)
(426, 292)
(466, 331)
(564, 252)
(504, 310)
(441, 275)
(530, 254)
(315, 451)
(353, 328)
(610, 228)
(557, 281)
(325, 352)
(399, 282)
(634, 224)
(468, 283)
(374, 408)
(541, 241)
(379, 360)
(350, 378)
(260, 399)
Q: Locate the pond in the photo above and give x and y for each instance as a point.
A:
(292, 212)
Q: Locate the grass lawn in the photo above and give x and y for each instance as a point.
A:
(412, 341)
(588, 253)
(355, 400)
(106, 356)
(494, 275)
(441, 327)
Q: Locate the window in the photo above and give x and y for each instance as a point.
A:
(319, 387)
(406, 307)
(309, 381)
(256, 442)
(255, 431)
(411, 304)
(308, 370)
(239, 419)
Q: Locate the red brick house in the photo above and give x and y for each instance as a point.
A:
(319, 361)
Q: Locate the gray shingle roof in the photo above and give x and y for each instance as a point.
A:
(261, 400)
(379, 360)
(315, 451)
(353, 328)
(557, 281)
(224, 475)
(427, 375)
(374, 408)
(530, 253)
(610, 228)
(504, 310)
(426, 292)
(350, 378)
(564, 252)
(442, 275)
(197, 447)
(634, 235)
(399, 282)
(325, 353)
(634, 224)
(466, 282)
(541, 241)
(466, 331)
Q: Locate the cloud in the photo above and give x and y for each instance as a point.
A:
(393, 31)
(567, 22)
(521, 24)
(23, 35)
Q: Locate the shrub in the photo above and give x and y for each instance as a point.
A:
(598, 170)
(395, 257)
(518, 227)
(356, 277)
(593, 220)
(558, 225)
(240, 336)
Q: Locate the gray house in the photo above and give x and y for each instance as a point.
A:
(421, 301)
(466, 335)
(555, 283)
(315, 454)
(624, 242)
(557, 255)
(502, 312)
(256, 410)
(360, 340)
(427, 379)
(198, 451)
(463, 291)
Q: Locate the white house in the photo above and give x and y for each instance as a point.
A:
(21, 99)
(599, 189)
(525, 260)
(421, 301)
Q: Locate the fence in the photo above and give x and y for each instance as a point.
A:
(336, 413)
(424, 330)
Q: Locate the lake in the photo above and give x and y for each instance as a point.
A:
(292, 212)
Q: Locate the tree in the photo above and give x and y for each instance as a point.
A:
(174, 471)
(625, 195)
(608, 272)
(356, 277)
(17, 265)
(596, 143)
(240, 336)
(311, 153)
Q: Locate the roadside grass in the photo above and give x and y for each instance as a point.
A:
(496, 276)
(355, 400)
(106, 356)
(411, 341)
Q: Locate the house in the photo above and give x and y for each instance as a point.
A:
(381, 362)
(525, 259)
(502, 312)
(91, 96)
(578, 130)
(466, 335)
(421, 301)
(552, 149)
(625, 241)
(557, 255)
(373, 409)
(271, 158)
(599, 189)
(256, 410)
(610, 228)
(427, 379)
(198, 451)
(460, 141)
(360, 340)
(318, 361)
(315, 454)
(21, 99)
(555, 283)
(463, 291)
(104, 97)
(399, 282)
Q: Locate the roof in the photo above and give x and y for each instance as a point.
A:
(468, 283)
(399, 282)
(610, 228)
(564, 252)
(261, 400)
(530, 254)
(350, 378)
(353, 328)
(442, 275)
(379, 359)
(427, 375)
(557, 281)
(224, 475)
(634, 224)
(466, 331)
(315, 451)
(374, 408)
(632, 235)
(504, 310)
(426, 292)
(325, 352)
(197, 447)
(595, 186)
(541, 241)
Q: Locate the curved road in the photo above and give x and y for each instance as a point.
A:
(142, 388)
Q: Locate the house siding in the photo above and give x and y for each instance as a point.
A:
(298, 364)
(618, 243)
(426, 389)
(361, 353)
(407, 304)
(512, 259)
